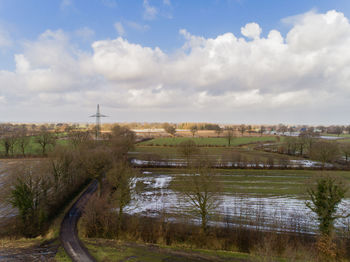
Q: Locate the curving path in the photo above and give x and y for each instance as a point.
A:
(69, 233)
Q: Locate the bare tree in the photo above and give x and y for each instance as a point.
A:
(347, 128)
(96, 162)
(309, 138)
(338, 130)
(23, 139)
(122, 140)
(282, 128)
(202, 191)
(45, 138)
(229, 135)
(77, 138)
(170, 129)
(249, 129)
(242, 128)
(302, 142)
(8, 144)
(194, 130)
(345, 149)
(291, 145)
(188, 149)
(218, 130)
(119, 178)
(262, 130)
(325, 152)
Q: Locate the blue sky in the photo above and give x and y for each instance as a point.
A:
(208, 18)
(84, 30)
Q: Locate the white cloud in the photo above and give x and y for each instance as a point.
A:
(150, 12)
(251, 30)
(119, 60)
(167, 2)
(302, 77)
(120, 29)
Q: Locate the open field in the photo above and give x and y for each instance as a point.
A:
(207, 141)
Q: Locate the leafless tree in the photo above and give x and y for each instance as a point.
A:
(291, 145)
(202, 191)
(23, 139)
(338, 130)
(194, 130)
(96, 161)
(262, 130)
(45, 138)
(325, 152)
(119, 178)
(345, 149)
(242, 128)
(170, 129)
(77, 138)
(282, 128)
(218, 130)
(188, 149)
(121, 140)
(347, 128)
(229, 135)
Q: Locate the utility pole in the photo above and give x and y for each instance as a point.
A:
(98, 116)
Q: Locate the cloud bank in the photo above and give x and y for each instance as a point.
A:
(304, 76)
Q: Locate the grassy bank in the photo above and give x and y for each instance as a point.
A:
(114, 250)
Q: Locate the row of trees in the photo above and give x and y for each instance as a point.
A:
(227, 131)
(311, 146)
(19, 139)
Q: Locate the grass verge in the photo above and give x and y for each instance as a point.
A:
(114, 250)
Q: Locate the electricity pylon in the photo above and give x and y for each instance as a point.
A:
(98, 116)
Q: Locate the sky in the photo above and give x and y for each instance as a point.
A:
(222, 61)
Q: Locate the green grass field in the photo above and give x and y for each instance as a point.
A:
(207, 141)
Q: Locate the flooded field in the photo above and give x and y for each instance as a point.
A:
(294, 163)
(5, 209)
(244, 202)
